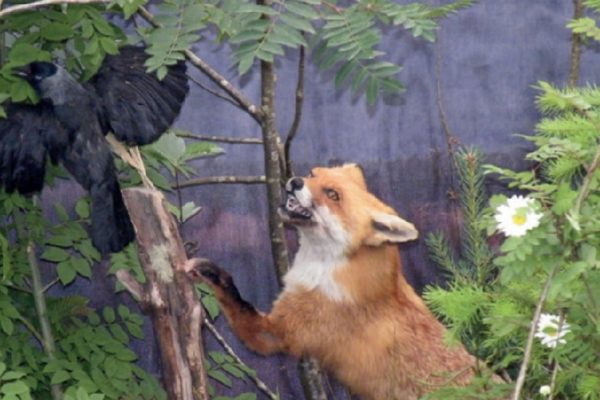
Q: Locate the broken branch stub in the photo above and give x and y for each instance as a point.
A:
(169, 296)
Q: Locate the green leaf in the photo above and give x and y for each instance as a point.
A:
(56, 32)
(220, 377)
(14, 388)
(66, 272)
(12, 375)
(60, 376)
(7, 325)
(82, 208)
(25, 53)
(109, 314)
(82, 267)
(55, 254)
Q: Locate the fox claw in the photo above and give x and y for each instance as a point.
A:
(204, 269)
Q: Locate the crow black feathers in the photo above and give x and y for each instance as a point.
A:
(69, 124)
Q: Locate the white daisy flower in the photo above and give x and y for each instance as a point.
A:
(517, 216)
(548, 330)
(545, 390)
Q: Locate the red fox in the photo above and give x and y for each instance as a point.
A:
(345, 301)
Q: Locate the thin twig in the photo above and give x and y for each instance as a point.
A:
(451, 139)
(50, 284)
(257, 381)
(254, 111)
(214, 92)
(43, 3)
(39, 298)
(587, 180)
(529, 347)
(31, 329)
(213, 180)
(219, 139)
(576, 43)
(289, 172)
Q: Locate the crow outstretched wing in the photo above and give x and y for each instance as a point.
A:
(23, 151)
(136, 106)
(69, 125)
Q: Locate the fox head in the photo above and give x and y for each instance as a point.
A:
(333, 205)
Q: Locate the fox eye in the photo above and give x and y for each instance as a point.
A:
(311, 175)
(332, 194)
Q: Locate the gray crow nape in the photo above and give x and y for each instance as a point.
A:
(69, 125)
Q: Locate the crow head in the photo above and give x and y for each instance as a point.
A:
(36, 72)
(50, 81)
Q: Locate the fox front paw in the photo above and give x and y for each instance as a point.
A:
(204, 270)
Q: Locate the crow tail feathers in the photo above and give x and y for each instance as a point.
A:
(112, 229)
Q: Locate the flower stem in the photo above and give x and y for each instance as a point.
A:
(529, 347)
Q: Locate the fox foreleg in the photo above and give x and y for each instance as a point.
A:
(251, 326)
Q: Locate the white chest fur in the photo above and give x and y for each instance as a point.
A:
(315, 264)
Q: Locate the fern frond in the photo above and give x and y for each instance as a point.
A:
(347, 42)
(179, 21)
(268, 29)
(420, 19)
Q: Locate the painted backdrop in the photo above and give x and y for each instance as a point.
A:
(480, 75)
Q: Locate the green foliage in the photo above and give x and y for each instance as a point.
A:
(586, 26)
(493, 316)
(345, 37)
(79, 35)
(92, 358)
(264, 30)
(179, 22)
(475, 261)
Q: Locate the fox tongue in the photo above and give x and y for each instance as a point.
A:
(296, 210)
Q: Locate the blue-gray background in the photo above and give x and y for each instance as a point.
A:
(489, 57)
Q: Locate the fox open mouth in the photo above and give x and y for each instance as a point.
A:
(294, 211)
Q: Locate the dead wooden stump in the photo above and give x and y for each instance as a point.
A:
(168, 296)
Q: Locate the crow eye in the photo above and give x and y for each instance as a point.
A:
(332, 194)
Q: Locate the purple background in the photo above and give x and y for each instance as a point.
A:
(489, 58)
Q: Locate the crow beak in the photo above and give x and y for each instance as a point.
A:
(23, 71)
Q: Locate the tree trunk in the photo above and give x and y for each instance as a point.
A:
(168, 296)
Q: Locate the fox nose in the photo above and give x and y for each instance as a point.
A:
(294, 184)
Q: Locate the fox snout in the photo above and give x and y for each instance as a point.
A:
(298, 202)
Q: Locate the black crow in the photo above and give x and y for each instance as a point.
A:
(68, 127)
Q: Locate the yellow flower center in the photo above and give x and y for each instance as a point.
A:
(519, 219)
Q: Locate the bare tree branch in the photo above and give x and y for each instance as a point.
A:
(219, 139)
(43, 3)
(132, 285)
(289, 171)
(213, 180)
(254, 111)
(214, 92)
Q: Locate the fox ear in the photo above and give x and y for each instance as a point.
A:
(354, 172)
(390, 228)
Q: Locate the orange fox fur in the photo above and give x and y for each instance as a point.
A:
(345, 301)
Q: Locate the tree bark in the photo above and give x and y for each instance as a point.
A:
(168, 296)
(272, 146)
